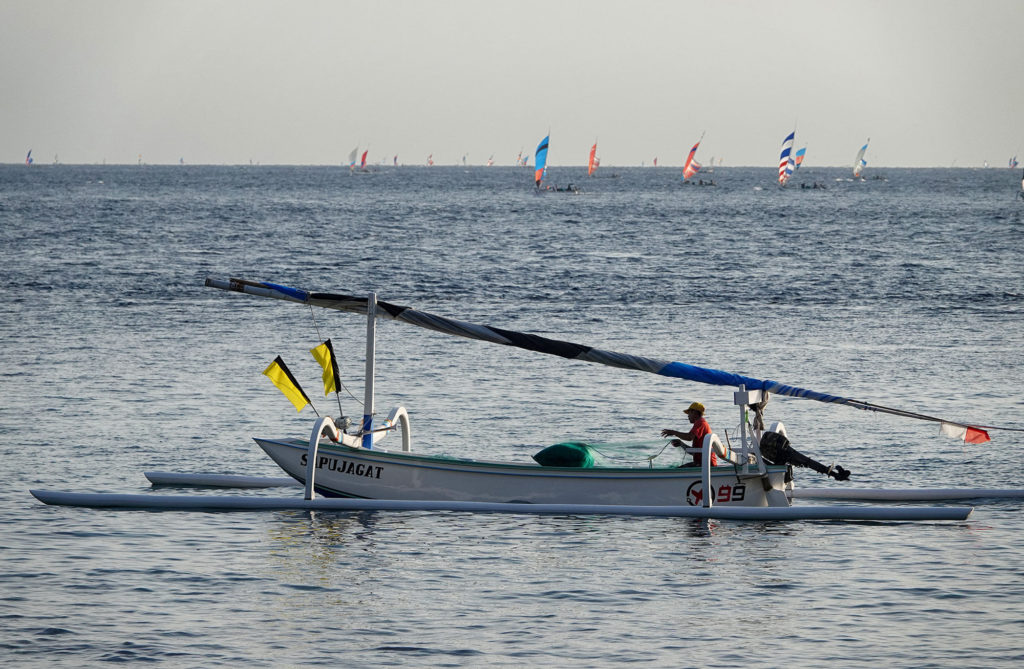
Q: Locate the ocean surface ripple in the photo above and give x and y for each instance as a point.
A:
(905, 290)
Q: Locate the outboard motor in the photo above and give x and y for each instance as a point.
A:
(776, 450)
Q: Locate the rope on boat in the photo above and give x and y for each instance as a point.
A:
(338, 381)
(650, 458)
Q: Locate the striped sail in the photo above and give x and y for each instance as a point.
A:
(859, 163)
(562, 349)
(541, 162)
(785, 159)
(691, 167)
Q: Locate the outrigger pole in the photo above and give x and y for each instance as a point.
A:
(564, 349)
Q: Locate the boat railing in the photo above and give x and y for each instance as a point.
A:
(712, 442)
(322, 425)
(325, 426)
(400, 415)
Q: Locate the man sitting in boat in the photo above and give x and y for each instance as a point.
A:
(695, 414)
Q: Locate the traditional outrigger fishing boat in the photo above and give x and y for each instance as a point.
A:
(349, 465)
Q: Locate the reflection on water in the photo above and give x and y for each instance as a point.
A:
(322, 536)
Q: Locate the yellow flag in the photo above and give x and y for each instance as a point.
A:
(278, 372)
(324, 354)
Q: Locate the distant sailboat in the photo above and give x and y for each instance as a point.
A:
(362, 161)
(786, 159)
(1013, 162)
(691, 167)
(798, 158)
(540, 161)
(593, 162)
(28, 158)
(859, 163)
(430, 160)
(352, 158)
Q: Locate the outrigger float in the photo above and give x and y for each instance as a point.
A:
(353, 471)
(189, 480)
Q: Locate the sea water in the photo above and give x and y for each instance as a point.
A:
(905, 289)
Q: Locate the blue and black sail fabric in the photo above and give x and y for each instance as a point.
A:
(564, 349)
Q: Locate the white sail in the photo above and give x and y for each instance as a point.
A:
(859, 163)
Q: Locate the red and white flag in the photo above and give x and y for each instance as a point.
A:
(970, 435)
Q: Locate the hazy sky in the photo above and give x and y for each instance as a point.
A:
(931, 82)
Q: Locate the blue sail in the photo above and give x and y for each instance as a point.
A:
(541, 161)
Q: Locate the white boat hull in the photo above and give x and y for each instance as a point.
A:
(343, 471)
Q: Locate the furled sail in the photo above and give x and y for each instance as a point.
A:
(541, 161)
(562, 349)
